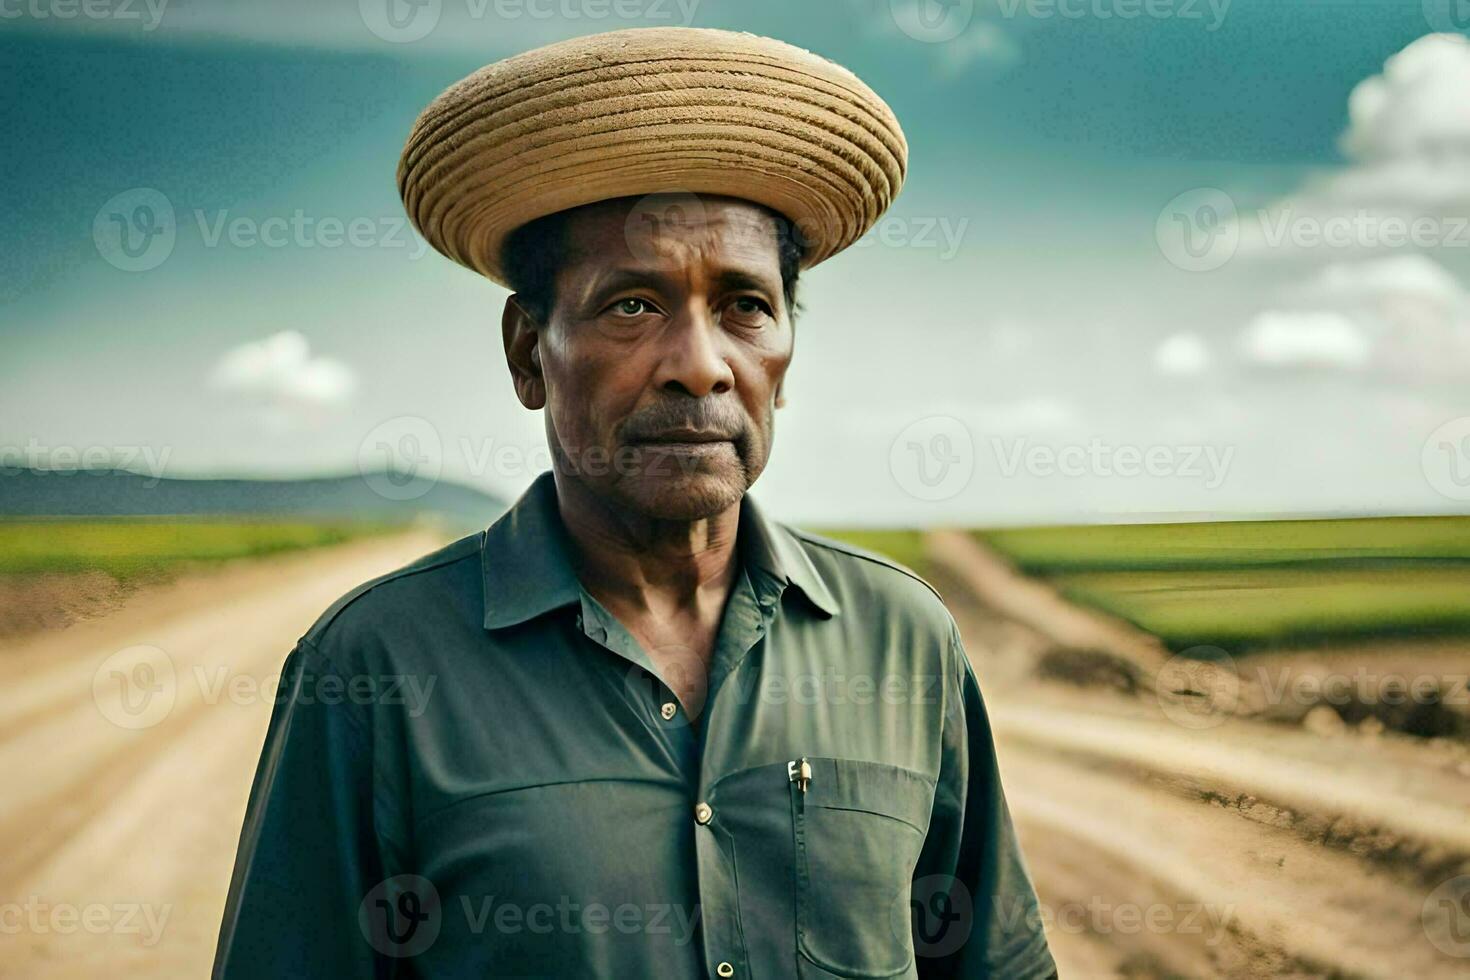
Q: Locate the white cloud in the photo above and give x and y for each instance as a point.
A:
(281, 370)
(1416, 314)
(1399, 278)
(1182, 354)
(982, 43)
(1401, 316)
(956, 40)
(1408, 142)
(1285, 339)
(1381, 302)
(1409, 130)
(1417, 107)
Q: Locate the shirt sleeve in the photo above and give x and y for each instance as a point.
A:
(308, 855)
(975, 911)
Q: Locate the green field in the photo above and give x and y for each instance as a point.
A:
(1238, 585)
(134, 548)
(904, 546)
(1260, 584)
(1049, 550)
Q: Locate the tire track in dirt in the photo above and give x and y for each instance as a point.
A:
(1320, 852)
(107, 815)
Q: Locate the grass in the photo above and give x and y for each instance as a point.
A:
(1261, 584)
(1238, 585)
(133, 548)
(903, 546)
(1273, 607)
(1047, 550)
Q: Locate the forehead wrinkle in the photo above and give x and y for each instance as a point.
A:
(692, 277)
(622, 277)
(743, 277)
(725, 248)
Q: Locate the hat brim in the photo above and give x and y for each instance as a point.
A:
(646, 111)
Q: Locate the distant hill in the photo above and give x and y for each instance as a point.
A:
(117, 493)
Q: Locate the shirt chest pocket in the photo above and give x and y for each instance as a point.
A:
(858, 828)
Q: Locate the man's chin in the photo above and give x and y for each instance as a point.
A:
(685, 496)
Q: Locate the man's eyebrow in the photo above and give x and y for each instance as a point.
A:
(730, 280)
(726, 280)
(629, 277)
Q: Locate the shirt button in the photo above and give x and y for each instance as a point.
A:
(725, 970)
(704, 813)
(669, 710)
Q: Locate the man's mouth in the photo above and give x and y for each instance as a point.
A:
(684, 437)
(690, 444)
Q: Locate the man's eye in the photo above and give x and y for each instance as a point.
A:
(631, 306)
(751, 307)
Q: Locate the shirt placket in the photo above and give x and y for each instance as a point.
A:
(746, 620)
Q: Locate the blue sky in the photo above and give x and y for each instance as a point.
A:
(1103, 294)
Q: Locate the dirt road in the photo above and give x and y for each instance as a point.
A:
(128, 745)
(1167, 841)
(1163, 845)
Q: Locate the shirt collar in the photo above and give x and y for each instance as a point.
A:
(526, 561)
(770, 546)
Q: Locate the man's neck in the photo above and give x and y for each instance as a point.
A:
(645, 565)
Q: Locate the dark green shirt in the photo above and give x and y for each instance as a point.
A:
(474, 770)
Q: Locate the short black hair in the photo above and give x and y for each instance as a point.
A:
(533, 253)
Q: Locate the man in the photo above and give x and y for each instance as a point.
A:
(664, 736)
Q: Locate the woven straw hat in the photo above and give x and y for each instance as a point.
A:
(651, 110)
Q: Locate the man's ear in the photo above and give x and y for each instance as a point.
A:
(523, 354)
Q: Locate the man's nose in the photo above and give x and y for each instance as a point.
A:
(694, 358)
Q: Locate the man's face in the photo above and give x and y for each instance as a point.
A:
(663, 353)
